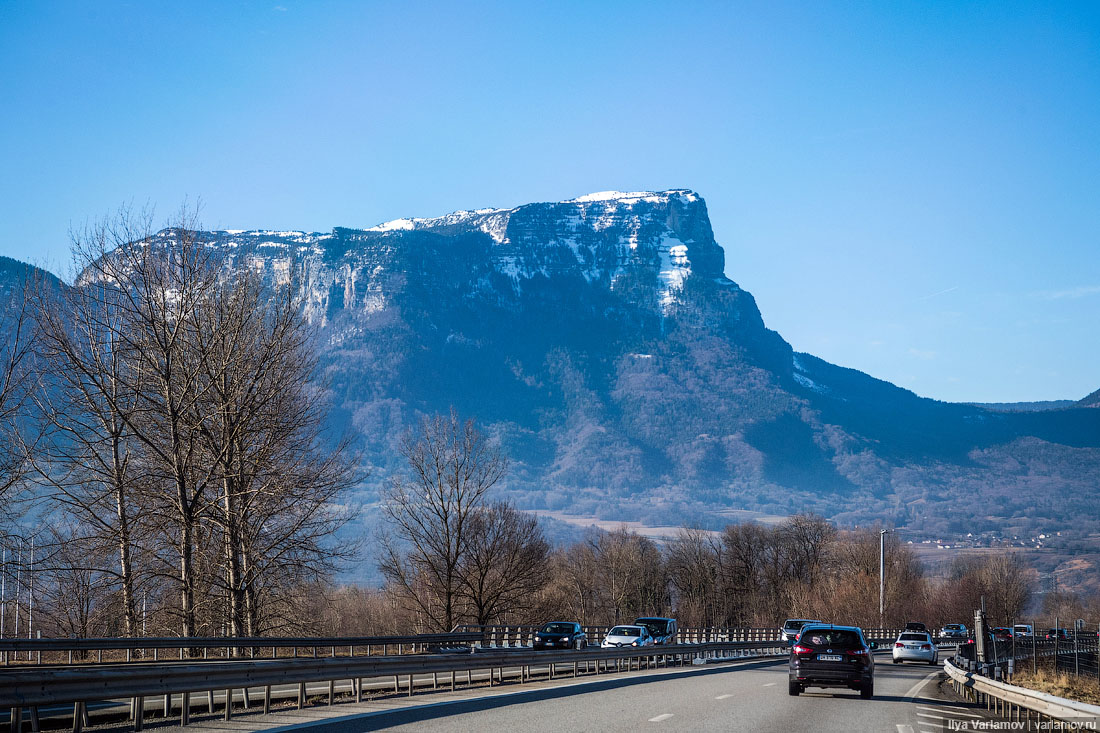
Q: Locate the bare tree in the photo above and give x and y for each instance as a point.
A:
(16, 380)
(431, 512)
(694, 565)
(630, 575)
(89, 402)
(506, 564)
(1007, 583)
(277, 488)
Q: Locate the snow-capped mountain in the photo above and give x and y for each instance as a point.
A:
(627, 377)
(611, 239)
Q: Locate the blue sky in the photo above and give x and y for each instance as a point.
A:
(909, 189)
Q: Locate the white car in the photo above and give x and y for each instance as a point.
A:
(915, 646)
(620, 636)
(1023, 630)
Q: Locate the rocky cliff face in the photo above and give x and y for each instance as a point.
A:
(628, 378)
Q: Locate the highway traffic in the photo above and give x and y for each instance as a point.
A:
(749, 696)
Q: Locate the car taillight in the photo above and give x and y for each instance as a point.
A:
(898, 644)
(797, 649)
(857, 653)
(925, 646)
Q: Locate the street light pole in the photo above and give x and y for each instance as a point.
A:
(882, 574)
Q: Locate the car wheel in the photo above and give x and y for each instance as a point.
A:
(897, 661)
(793, 688)
(867, 689)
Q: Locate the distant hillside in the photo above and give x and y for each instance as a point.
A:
(1024, 406)
(1093, 400)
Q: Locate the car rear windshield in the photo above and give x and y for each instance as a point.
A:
(838, 638)
(655, 625)
(794, 624)
(557, 629)
(625, 631)
(913, 637)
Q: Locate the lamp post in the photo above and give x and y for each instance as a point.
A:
(882, 573)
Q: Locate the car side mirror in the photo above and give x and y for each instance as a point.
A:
(874, 645)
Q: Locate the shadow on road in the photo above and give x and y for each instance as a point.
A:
(447, 708)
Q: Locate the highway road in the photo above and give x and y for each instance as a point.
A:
(749, 697)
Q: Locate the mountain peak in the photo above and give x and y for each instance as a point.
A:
(633, 197)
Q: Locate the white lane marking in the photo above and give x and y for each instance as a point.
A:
(722, 697)
(904, 728)
(937, 716)
(771, 684)
(953, 711)
(912, 693)
(659, 718)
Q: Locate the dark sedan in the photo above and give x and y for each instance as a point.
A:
(832, 656)
(561, 635)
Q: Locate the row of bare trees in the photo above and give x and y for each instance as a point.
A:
(451, 556)
(174, 434)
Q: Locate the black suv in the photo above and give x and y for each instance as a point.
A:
(561, 635)
(832, 656)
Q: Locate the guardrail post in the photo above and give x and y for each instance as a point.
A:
(228, 714)
(331, 690)
(185, 708)
(139, 713)
(210, 701)
(267, 699)
(302, 695)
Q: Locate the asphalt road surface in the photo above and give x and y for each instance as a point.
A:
(749, 697)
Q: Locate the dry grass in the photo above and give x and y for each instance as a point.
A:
(1082, 689)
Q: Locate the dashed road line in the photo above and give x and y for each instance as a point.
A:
(904, 728)
(952, 711)
(661, 717)
(770, 684)
(722, 697)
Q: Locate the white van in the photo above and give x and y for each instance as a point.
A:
(1023, 630)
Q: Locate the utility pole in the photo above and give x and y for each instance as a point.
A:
(882, 574)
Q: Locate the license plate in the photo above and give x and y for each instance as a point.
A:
(912, 646)
(829, 657)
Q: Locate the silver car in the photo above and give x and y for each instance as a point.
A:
(619, 636)
(915, 646)
(792, 626)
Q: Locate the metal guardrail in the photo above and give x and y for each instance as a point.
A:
(1016, 702)
(11, 646)
(523, 635)
(22, 688)
(78, 649)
